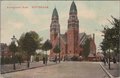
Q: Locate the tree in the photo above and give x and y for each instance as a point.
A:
(38, 56)
(57, 50)
(86, 48)
(111, 37)
(46, 46)
(116, 34)
(104, 46)
(19, 55)
(2, 47)
(13, 49)
(112, 34)
(35, 36)
(29, 43)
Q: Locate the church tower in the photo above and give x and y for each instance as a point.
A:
(54, 29)
(73, 32)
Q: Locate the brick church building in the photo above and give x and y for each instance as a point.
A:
(72, 40)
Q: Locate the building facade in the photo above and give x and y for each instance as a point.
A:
(70, 42)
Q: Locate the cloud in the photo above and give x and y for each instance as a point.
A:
(82, 29)
(103, 21)
(85, 12)
(9, 29)
(16, 25)
(36, 22)
(90, 18)
(28, 14)
(98, 34)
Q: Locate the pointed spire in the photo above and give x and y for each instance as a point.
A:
(55, 13)
(73, 7)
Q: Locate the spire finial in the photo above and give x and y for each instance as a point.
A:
(55, 13)
(73, 0)
(73, 7)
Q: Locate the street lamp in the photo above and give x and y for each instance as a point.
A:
(13, 42)
(14, 39)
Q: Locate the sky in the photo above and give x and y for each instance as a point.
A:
(18, 17)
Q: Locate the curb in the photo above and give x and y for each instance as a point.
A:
(26, 69)
(106, 71)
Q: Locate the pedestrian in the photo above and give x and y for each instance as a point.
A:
(56, 59)
(64, 58)
(46, 59)
(114, 60)
(43, 60)
(104, 60)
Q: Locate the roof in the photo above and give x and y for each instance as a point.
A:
(73, 7)
(82, 37)
(55, 13)
(64, 37)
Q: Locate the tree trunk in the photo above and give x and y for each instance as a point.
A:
(14, 67)
(109, 60)
(28, 61)
(46, 58)
(28, 64)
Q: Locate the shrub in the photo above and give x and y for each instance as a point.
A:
(74, 58)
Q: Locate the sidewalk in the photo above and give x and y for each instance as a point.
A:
(114, 71)
(9, 67)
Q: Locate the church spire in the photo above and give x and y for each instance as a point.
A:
(55, 13)
(73, 8)
(55, 26)
(73, 21)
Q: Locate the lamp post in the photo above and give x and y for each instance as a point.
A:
(13, 42)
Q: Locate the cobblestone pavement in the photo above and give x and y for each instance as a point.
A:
(62, 70)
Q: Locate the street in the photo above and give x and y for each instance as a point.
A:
(62, 70)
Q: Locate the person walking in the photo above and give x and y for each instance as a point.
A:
(43, 60)
(114, 60)
(56, 58)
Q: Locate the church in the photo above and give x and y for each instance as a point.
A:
(71, 42)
